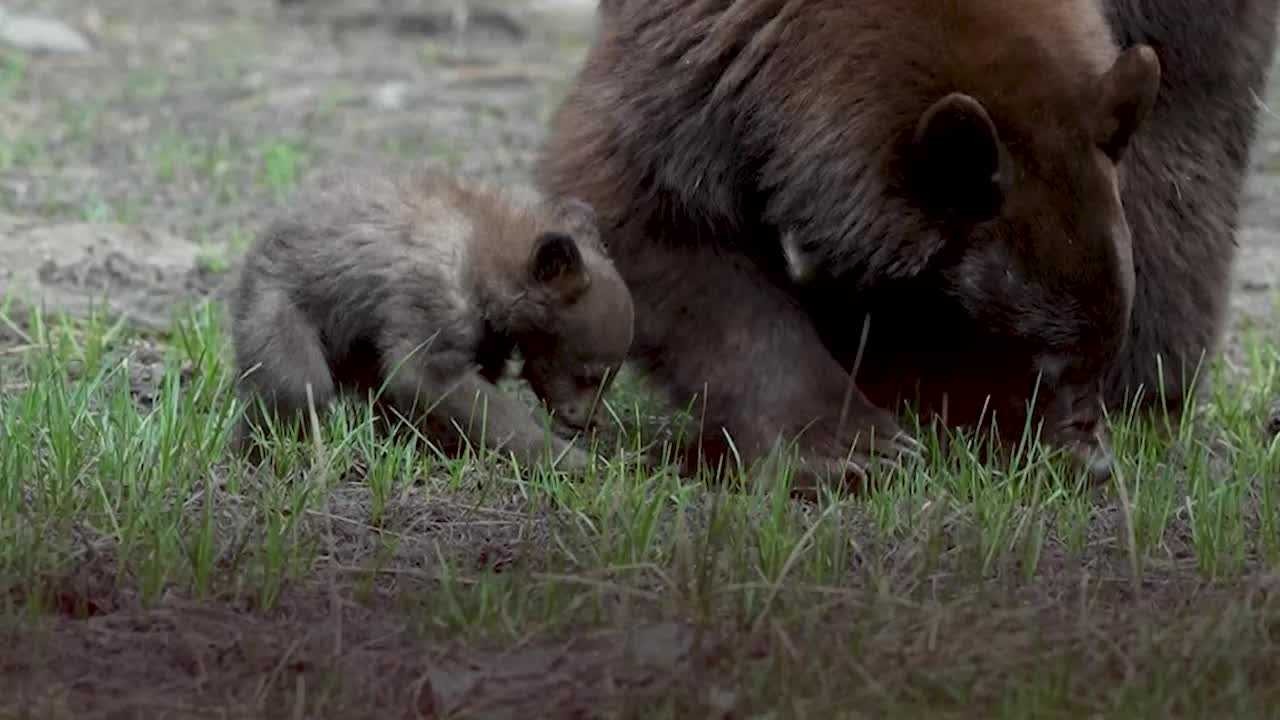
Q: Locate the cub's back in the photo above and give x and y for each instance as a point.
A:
(358, 247)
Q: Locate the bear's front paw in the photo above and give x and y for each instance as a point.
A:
(865, 447)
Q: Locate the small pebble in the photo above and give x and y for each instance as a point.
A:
(40, 35)
(390, 96)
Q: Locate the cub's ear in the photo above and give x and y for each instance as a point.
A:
(954, 161)
(1127, 93)
(557, 264)
(578, 217)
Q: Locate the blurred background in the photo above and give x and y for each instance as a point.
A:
(143, 141)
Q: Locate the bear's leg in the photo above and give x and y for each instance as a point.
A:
(1182, 181)
(279, 356)
(736, 350)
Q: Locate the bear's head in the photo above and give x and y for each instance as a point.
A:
(1037, 250)
(1043, 258)
(1024, 296)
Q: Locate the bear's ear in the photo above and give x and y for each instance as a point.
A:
(557, 264)
(1127, 93)
(955, 159)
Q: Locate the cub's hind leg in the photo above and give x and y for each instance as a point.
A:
(278, 354)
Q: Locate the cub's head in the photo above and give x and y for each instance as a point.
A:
(582, 329)
(1038, 251)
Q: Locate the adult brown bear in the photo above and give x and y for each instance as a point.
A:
(950, 164)
(1181, 187)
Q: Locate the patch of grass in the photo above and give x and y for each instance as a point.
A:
(80, 122)
(282, 164)
(434, 54)
(450, 152)
(213, 258)
(228, 55)
(170, 153)
(335, 95)
(96, 209)
(147, 83)
(13, 73)
(902, 594)
(219, 250)
(211, 162)
(23, 151)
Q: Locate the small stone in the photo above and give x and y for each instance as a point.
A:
(390, 96)
(41, 35)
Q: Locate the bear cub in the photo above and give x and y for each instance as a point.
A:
(421, 288)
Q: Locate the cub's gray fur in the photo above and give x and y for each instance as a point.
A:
(422, 287)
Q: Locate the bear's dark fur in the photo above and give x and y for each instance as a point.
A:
(1183, 183)
(957, 159)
